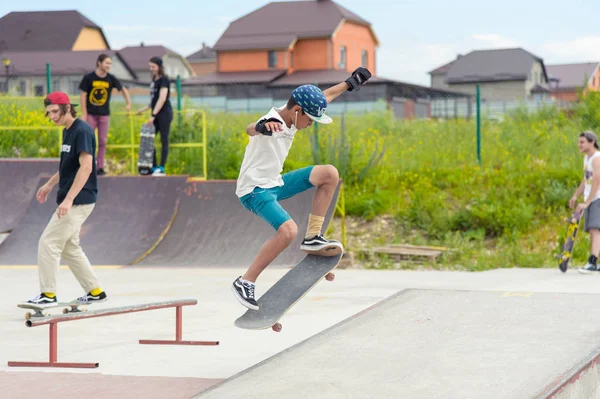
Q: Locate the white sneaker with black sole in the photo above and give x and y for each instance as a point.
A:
(244, 293)
(42, 300)
(589, 268)
(89, 298)
(319, 245)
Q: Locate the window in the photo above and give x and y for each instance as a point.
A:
(272, 59)
(23, 87)
(38, 90)
(364, 59)
(342, 57)
(74, 87)
(56, 85)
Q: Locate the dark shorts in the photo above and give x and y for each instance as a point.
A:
(264, 202)
(591, 216)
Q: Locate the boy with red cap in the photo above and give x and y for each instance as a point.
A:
(76, 198)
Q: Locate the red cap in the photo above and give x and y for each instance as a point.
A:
(58, 97)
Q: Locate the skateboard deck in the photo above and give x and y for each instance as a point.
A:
(286, 292)
(146, 150)
(39, 311)
(567, 250)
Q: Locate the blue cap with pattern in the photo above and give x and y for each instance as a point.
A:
(313, 102)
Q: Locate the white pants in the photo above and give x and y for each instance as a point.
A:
(59, 240)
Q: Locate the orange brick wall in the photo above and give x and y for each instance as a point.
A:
(356, 38)
(312, 54)
(309, 54)
(595, 82)
(235, 61)
(567, 96)
(203, 68)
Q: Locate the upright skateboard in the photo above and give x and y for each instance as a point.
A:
(292, 287)
(146, 150)
(567, 250)
(39, 311)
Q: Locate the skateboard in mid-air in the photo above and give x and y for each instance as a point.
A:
(567, 250)
(146, 151)
(39, 311)
(286, 292)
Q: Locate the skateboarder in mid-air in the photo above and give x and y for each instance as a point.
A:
(589, 187)
(260, 185)
(76, 198)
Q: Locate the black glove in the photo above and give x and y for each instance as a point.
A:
(261, 128)
(359, 77)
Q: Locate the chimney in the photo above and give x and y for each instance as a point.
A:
(142, 44)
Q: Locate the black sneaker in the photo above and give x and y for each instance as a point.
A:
(244, 293)
(319, 245)
(589, 268)
(89, 298)
(100, 172)
(42, 300)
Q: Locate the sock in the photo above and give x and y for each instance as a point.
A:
(593, 260)
(315, 223)
(50, 294)
(96, 291)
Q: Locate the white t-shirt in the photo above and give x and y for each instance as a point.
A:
(588, 173)
(264, 157)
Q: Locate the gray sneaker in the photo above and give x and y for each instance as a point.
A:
(589, 268)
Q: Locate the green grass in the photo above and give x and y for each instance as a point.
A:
(506, 212)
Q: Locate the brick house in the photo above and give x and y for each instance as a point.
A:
(203, 61)
(566, 80)
(263, 55)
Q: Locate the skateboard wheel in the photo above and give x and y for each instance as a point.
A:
(27, 316)
(330, 276)
(277, 327)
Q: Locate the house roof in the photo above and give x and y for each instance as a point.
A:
(572, 75)
(235, 77)
(442, 70)
(33, 63)
(138, 56)
(275, 79)
(205, 54)
(43, 30)
(279, 24)
(492, 66)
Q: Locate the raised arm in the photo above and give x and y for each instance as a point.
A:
(359, 77)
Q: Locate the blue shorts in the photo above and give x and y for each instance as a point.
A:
(264, 202)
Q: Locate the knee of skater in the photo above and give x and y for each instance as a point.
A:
(331, 174)
(288, 231)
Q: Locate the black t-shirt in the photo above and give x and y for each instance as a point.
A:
(155, 87)
(79, 137)
(98, 92)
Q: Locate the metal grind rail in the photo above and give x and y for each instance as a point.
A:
(53, 321)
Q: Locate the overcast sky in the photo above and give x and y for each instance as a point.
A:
(415, 36)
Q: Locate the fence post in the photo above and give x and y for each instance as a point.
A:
(478, 96)
(48, 78)
(178, 102)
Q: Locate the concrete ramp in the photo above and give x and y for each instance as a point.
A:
(213, 229)
(131, 216)
(446, 344)
(18, 185)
